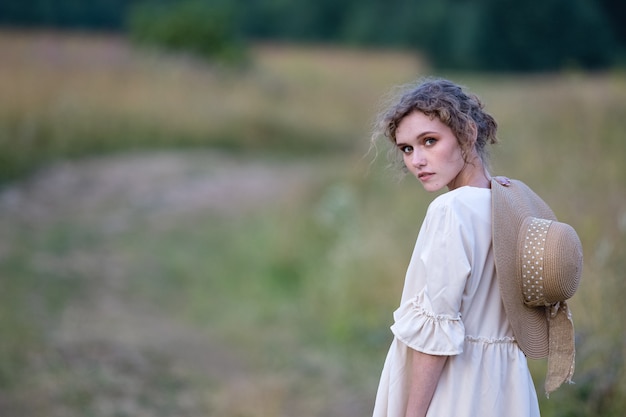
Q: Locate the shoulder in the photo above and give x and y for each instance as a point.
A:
(461, 204)
(463, 197)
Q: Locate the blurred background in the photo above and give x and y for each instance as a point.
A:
(192, 222)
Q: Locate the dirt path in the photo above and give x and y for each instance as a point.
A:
(131, 347)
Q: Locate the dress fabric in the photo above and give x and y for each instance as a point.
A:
(451, 306)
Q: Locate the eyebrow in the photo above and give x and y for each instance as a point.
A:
(421, 135)
(418, 137)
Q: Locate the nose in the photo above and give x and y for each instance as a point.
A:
(417, 159)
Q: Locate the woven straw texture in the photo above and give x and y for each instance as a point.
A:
(512, 204)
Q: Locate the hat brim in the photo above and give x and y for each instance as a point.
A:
(511, 204)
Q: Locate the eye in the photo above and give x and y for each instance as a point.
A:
(430, 141)
(405, 148)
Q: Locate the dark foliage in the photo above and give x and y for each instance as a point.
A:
(498, 35)
(206, 29)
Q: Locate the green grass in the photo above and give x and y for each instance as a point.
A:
(304, 287)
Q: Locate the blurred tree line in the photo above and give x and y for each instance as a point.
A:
(498, 35)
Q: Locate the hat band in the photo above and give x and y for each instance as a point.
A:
(532, 262)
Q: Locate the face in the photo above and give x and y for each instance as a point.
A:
(431, 152)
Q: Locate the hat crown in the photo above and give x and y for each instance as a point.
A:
(564, 264)
(550, 261)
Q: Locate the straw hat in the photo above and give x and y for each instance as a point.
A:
(539, 266)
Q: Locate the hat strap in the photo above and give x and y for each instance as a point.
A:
(561, 350)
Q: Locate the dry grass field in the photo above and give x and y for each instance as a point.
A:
(183, 240)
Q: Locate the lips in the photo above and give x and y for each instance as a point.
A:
(423, 176)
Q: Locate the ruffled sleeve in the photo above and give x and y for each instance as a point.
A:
(429, 318)
(426, 331)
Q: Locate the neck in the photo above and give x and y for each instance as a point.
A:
(473, 174)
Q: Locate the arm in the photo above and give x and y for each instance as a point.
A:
(425, 372)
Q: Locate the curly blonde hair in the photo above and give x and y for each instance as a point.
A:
(461, 111)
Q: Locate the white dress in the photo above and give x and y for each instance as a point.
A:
(451, 306)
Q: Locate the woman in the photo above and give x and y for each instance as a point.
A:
(454, 352)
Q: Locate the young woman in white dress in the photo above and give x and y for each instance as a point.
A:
(453, 353)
